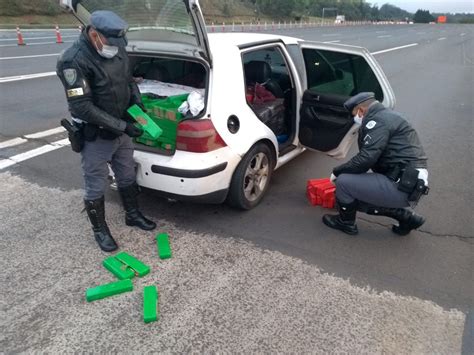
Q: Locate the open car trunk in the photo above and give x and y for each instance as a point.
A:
(173, 90)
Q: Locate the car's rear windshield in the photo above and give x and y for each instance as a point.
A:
(158, 20)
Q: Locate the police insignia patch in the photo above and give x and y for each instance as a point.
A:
(371, 124)
(70, 75)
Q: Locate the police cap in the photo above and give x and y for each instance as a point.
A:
(357, 100)
(111, 26)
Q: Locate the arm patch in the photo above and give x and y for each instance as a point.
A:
(75, 92)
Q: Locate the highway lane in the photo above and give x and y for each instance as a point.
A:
(433, 85)
(372, 37)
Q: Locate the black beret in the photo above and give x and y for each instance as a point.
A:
(358, 99)
(111, 26)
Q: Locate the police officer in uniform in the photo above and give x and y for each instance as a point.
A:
(390, 147)
(99, 89)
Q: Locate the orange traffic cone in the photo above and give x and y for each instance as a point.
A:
(58, 35)
(21, 42)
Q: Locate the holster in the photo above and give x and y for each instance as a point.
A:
(75, 135)
(409, 183)
(408, 180)
(419, 190)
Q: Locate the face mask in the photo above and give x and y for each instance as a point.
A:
(358, 119)
(107, 51)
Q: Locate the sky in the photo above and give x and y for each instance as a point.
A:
(431, 5)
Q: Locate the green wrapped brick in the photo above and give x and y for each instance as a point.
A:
(119, 269)
(150, 304)
(107, 290)
(163, 243)
(136, 265)
(146, 123)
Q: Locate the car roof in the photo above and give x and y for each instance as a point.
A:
(219, 40)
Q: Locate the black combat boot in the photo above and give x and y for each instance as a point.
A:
(345, 220)
(407, 220)
(96, 212)
(133, 217)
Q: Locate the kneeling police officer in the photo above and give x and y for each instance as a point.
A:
(390, 147)
(99, 89)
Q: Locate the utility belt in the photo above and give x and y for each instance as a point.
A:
(407, 181)
(79, 133)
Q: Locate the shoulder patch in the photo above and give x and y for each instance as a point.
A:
(371, 124)
(70, 75)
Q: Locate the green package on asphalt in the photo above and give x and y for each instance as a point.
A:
(119, 269)
(103, 291)
(136, 265)
(145, 122)
(150, 304)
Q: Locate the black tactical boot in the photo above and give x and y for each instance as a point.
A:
(96, 212)
(133, 217)
(345, 220)
(407, 220)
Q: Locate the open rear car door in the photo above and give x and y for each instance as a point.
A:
(333, 74)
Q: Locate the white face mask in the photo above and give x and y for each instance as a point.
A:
(358, 119)
(107, 51)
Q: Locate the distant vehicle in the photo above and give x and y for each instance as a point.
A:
(340, 19)
(230, 149)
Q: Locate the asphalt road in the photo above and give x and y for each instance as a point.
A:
(427, 273)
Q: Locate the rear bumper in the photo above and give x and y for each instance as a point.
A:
(200, 177)
(216, 197)
(190, 174)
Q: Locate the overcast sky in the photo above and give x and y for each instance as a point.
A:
(432, 5)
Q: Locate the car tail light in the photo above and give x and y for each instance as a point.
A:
(198, 136)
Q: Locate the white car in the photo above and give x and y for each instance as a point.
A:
(231, 148)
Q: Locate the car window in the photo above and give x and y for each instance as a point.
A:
(337, 73)
(279, 72)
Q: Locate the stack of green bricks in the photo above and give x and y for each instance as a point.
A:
(164, 112)
(125, 267)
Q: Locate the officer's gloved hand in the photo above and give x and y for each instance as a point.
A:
(133, 131)
(333, 178)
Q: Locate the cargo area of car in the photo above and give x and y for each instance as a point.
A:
(173, 90)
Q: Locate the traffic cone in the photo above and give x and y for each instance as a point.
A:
(58, 35)
(21, 42)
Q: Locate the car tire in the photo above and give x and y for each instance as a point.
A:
(251, 178)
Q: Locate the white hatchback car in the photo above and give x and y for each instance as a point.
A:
(266, 97)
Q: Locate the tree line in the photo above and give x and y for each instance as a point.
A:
(353, 10)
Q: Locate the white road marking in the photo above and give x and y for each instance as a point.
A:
(394, 49)
(43, 134)
(12, 142)
(384, 36)
(8, 79)
(441, 39)
(330, 34)
(32, 44)
(463, 34)
(31, 56)
(30, 38)
(5, 163)
(333, 41)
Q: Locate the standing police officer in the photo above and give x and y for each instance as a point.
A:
(99, 89)
(390, 147)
